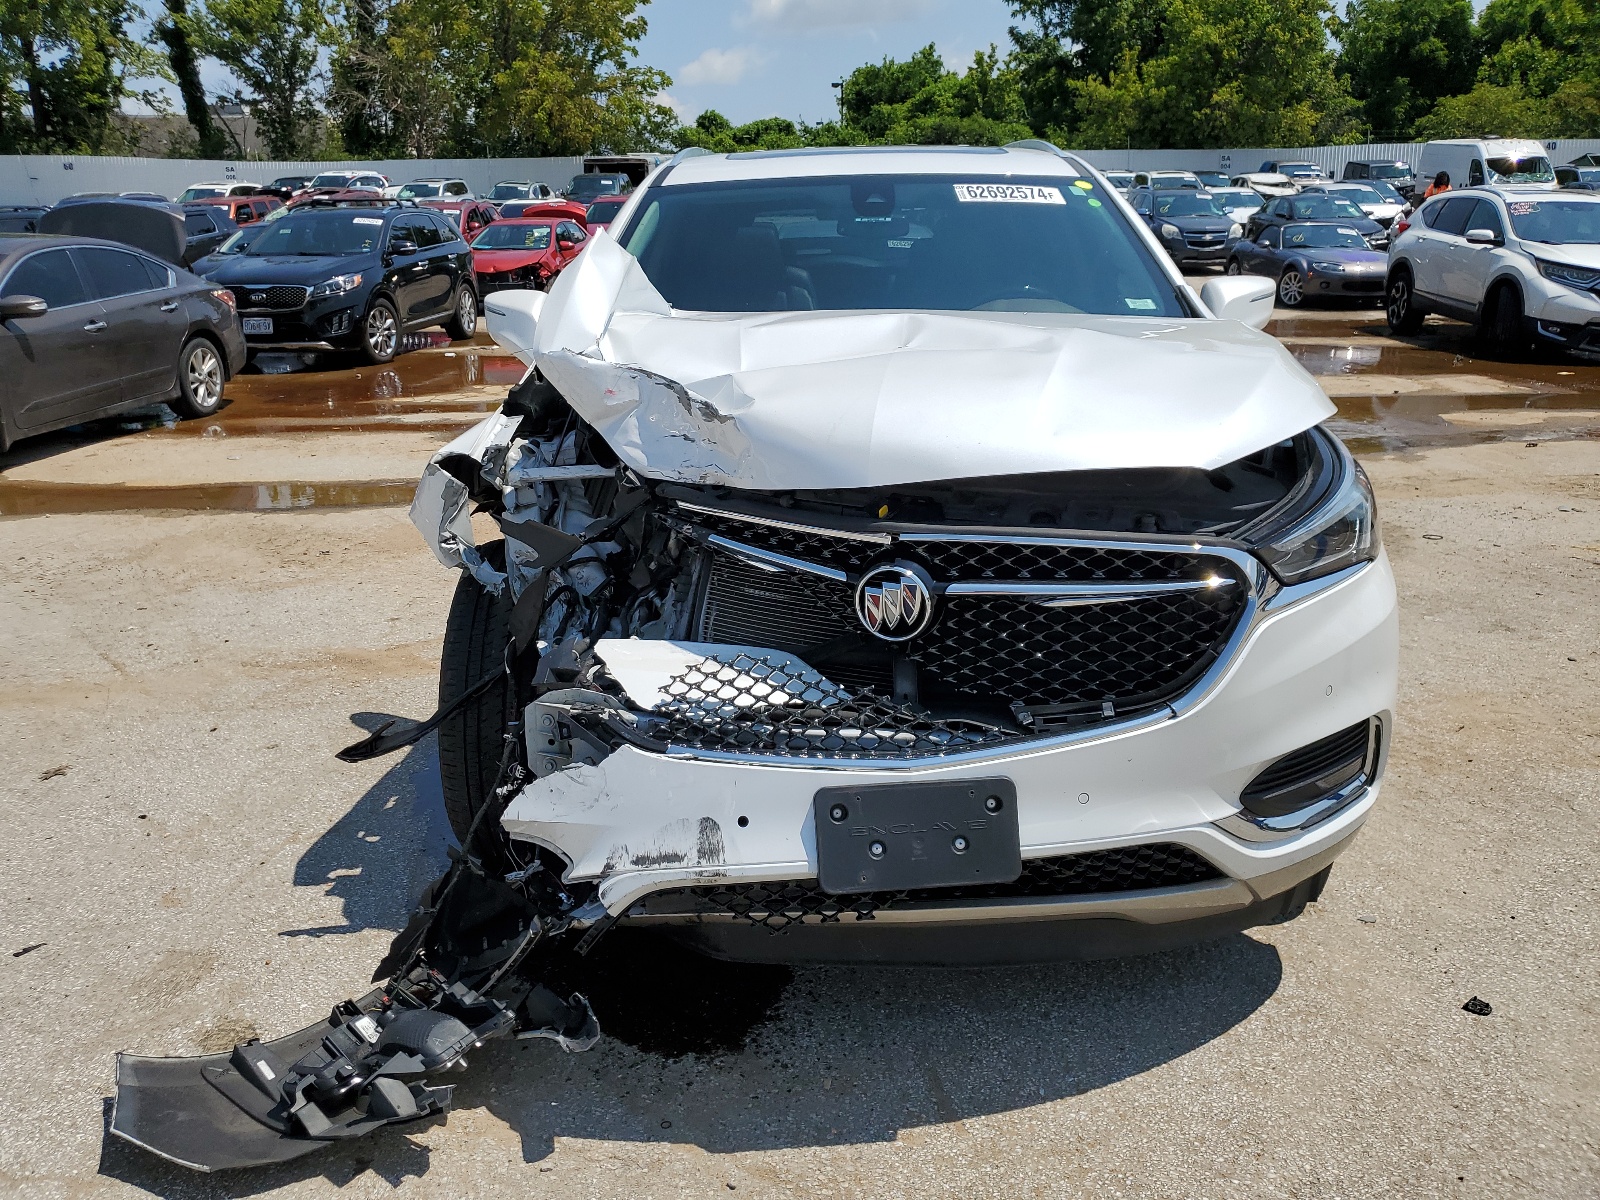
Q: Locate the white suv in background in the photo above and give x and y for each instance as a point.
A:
(1522, 264)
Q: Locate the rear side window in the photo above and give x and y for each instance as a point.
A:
(456, 188)
(112, 273)
(1453, 213)
(49, 276)
(196, 224)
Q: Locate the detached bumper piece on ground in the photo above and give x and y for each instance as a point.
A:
(464, 977)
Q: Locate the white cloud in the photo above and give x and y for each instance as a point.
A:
(719, 66)
(810, 16)
(679, 109)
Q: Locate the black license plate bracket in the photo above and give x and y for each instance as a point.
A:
(899, 836)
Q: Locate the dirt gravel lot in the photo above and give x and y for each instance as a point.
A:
(191, 866)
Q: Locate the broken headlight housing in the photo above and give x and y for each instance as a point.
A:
(1328, 523)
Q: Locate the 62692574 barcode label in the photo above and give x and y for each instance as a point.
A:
(1007, 193)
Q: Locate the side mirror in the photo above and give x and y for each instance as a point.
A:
(513, 319)
(1483, 237)
(1243, 298)
(13, 307)
(566, 243)
(401, 247)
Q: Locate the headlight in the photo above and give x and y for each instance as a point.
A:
(1235, 231)
(1170, 231)
(1328, 268)
(1339, 532)
(336, 286)
(1581, 278)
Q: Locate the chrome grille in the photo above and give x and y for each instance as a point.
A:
(1054, 562)
(276, 297)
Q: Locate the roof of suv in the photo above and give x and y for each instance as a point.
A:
(984, 162)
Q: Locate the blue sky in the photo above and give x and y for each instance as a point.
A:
(763, 58)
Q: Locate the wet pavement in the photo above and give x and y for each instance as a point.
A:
(1392, 394)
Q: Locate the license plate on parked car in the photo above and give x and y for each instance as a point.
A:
(257, 325)
(891, 837)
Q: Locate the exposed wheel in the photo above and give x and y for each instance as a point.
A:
(1233, 268)
(200, 378)
(471, 741)
(380, 333)
(465, 323)
(1401, 305)
(1291, 288)
(1500, 326)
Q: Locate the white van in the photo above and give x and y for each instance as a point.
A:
(1472, 162)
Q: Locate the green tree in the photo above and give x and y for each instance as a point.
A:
(272, 48)
(1401, 56)
(355, 92)
(1487, 109)
(67, 67)
(1547, 53)
(174, 32)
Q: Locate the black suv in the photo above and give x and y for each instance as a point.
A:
(327, 277)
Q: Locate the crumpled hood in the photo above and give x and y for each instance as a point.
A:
(865, 399)
(505, 260)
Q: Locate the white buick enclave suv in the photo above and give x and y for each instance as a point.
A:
(1523, 264)
(983, 592)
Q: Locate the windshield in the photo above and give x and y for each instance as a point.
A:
(1325, 206)
(1238, 198)
(339, 233)
(1299, 170)
(239, 242)
(606, 210)
(1119, 179)
(505, 236)
(1187, 204)
(1173, 181)
(332, 180)
(1322, 237)
(509, 191)
(290, 181)
(201, 193)
(1391, 170)
(587, 187)
(1528, 168)
(897, 242)
(420, 191)
(1390, 196)
(1557, 222)
(1361, 195)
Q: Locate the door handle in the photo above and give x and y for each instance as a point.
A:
(94, 326)
(169, 306)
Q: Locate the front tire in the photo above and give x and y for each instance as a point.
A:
(380, 333)
(200, 379)
(1233, 267)
(1291, 288)
(465, 323)
(472, 741)
(1500, 327)
(1400, 305)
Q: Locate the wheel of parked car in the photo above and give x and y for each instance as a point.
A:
(465, 323)
(200, 377)
(1500, 327)
(470, 741)
(380, 332)
(1233, 267)
(1291, 289)
(1404, 317)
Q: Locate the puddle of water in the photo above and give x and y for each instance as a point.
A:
(25, 498)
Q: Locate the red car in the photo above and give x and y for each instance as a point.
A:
(525, 252)
(468, 216)
(604, 211)
(547, 209)
(243, 209)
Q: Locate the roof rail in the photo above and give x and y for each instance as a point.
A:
(1036, 144)
(688, 152)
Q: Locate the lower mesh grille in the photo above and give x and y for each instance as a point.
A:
(1309, 763)
(780, 904)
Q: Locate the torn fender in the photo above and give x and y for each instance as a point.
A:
(833, 399)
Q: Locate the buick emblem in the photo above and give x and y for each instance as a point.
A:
(895, 602)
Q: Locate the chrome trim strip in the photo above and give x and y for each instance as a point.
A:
(1150, 906)
(1246, 826)
(1074, 595)
(771, 560)
(878, 539)
(1288, 597)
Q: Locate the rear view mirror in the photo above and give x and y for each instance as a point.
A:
(1242, 298)
(1482, 237)
(22, 306)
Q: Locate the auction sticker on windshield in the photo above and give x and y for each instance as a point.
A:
(1007, 193)
(366, 220)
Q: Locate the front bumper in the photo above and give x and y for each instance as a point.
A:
(1180, 251)
(1316, 660)
(327, 323)
(1347, 284)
